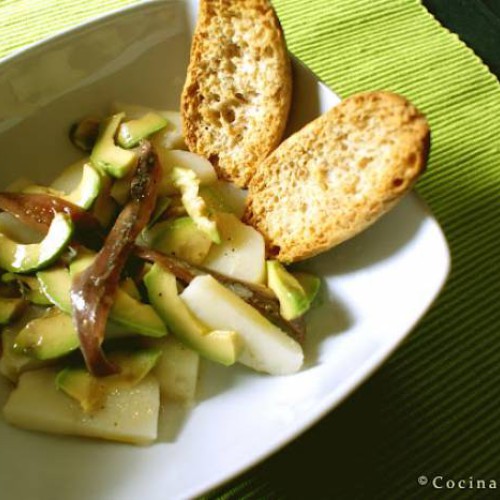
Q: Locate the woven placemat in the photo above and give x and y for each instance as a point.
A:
(432, 410)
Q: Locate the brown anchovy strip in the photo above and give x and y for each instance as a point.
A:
(38, 210)
(257, 296)
(93, 290)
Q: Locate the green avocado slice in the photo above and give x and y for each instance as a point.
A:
(180, 237)
(220, 346)
(12, 364)
(126, 312)
(309, 283)
(48, 337)
(85, 192)
(55, 284)
(162, 203)
(292, 297)
(16, 257)
(132, 132)
(91, 392)
(10, 309)
(106, 155)
(30, 288)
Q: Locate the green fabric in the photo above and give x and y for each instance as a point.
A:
(433, 408)
(27, 21)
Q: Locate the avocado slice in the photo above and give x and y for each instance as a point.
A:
(221, 196)
(91, 392)
(55, 284)
(292, 297)
(80, 385)
(120, 191)
(189, 185)
(16, 257)
(128, 286)
(87, 190)
(48, 337)
(79, 184)
(265, 347)
(180, 237)
(309, 283)
(169, 137)
(12, 364)
(109, 157)
(10, 309)
(104, 208)
(132, 132)
(162, 203)
(37, 189)
(30, 288)
(126, 312)
(218, 345)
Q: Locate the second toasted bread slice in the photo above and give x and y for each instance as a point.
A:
(237, 94)
(338, 175)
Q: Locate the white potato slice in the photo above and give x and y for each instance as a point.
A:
(169, 159)
(241, 253)
(70, 177)
(130, 414)
(171, 136)
(177, 371)
(266, 348)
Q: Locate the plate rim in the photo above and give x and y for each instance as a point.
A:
(359, 377)
(362, 373)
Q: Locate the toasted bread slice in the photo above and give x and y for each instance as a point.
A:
(237, 94)
(338, 175)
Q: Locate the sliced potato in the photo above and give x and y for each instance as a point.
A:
(177, 371)
(241, 253)
(171, 136)
(130, 414)
(170, 159)
(266, 348)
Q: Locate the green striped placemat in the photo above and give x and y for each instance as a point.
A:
(433, 409)
(27, 21)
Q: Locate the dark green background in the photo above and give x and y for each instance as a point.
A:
(403, 424)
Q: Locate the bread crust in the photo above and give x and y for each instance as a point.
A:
(338, 175)
(237, 94)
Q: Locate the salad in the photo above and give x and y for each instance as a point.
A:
(120, 275)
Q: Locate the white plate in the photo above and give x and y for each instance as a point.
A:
(377, 286)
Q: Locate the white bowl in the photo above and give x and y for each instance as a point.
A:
(377, 286)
